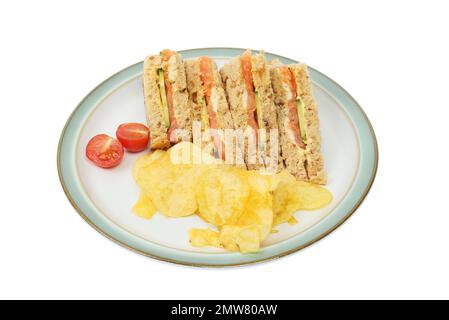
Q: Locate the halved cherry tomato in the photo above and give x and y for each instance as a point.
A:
(133, 136)
(104, 151)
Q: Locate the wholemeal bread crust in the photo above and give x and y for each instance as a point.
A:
(232, 78)
(263, 87)
(231, 74)
(194, 88)
(196, 95)
(315, 163)
(181, 108)
(262, 84)
(153, 105)
(292, 154)
(224, 117)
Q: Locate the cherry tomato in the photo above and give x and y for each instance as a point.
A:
(133, 136)
(104, 151)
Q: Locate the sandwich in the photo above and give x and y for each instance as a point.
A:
(210, 110)
(166, 100)
(298, 122)
(251, 101)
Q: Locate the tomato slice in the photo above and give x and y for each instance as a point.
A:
(206, 75)
(289, 79)
(247, 75)
(207, 80)
(166, 55)
(104, 151)
(133, 136)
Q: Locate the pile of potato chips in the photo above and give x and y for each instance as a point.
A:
(242, 205)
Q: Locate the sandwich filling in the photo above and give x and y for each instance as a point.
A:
(296, 108)
(166, 78)
(250, 92)
(210, 103)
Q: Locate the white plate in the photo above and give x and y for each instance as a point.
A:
(105, 197)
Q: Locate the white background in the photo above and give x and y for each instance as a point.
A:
(392, 56)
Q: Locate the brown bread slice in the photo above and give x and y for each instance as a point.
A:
(198, 102)
(153, 105)
(181, 109)
(236, 92)
(305, 164)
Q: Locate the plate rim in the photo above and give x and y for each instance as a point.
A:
(241, 263)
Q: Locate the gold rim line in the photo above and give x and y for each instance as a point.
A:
(356, 206)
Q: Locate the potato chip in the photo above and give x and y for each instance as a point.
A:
(258, 213)
(174, 196)
(240, 238)
(257, 182)
(291, 197)
(311, 196)
(144, 208)
(292, 221)
(282, 204)
(204, 237)
(170, 187)
(243, 205)
(145, 161)
(222, 196)
(282, 177)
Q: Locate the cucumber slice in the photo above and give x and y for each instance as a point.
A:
(164, 111)
(259, 109)
(302, 121)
